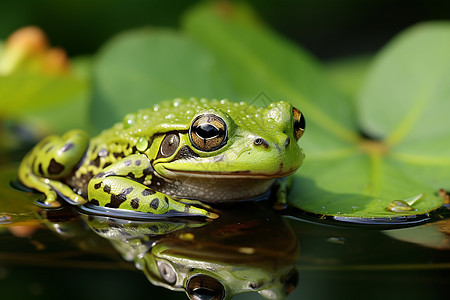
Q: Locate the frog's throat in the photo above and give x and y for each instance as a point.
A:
(214, 187)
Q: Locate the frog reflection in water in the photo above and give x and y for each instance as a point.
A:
(251, 249)
(161, 160)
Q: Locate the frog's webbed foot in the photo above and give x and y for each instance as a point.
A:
(282, 187)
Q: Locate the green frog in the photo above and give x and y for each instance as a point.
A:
(172, 157)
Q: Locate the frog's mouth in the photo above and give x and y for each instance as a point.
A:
(243, 174)
(214, 186)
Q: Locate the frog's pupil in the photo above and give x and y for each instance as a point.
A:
(206, 131)
(300, 124)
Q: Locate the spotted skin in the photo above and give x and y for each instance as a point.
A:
(106, 189)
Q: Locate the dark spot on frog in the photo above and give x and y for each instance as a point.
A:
(131, 175)
(97, 185)
(137, 162)
(186, 208)
(116, 200)
(147, 192)
(107, 189)
(94, 202)
(119, 154)
(66, 147)
(96, 162)
(135, 203)
(94, 149)
(55, 167)
(127, 163)
(154, 204)
(149, 170)
(41, 172)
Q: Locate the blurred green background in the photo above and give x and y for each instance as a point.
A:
(329, 29)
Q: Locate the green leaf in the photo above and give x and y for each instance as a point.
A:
(349, 74)
(50, 101)
(343, 173)
(140, 68)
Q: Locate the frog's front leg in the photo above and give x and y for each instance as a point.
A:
(115, 187)
(50, 161)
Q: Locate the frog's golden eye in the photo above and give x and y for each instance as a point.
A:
(208, 132)
(201, 285)
(299, 123)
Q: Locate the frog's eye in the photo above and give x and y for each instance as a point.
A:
(200, 287)
(299, 123)
(208, 132)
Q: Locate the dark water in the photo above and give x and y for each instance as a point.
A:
(67, 254)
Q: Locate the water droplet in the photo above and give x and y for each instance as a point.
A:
(142, 144)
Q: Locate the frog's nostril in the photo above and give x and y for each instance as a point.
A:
(261, 142)
(287, 142)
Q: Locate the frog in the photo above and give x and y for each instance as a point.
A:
(179, 156)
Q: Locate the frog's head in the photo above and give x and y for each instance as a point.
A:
(231, 150)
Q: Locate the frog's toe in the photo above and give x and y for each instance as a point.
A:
(74, 200)
(212, 215)
(48, 203)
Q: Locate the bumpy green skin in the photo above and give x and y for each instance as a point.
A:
(132, 166)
